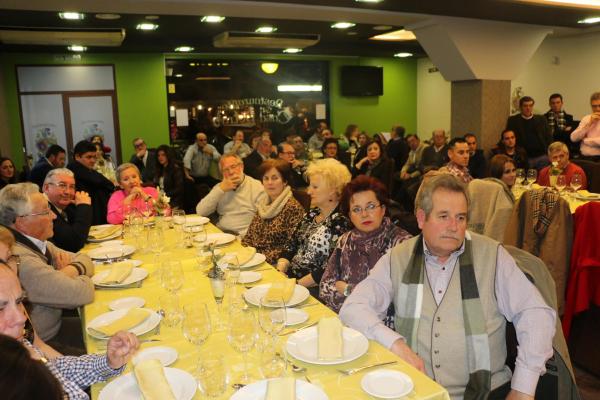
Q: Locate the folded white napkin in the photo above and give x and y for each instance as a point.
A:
(330, 341)
(281, 389)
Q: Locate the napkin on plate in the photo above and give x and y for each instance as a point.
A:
(118, 272)
(134, 316)
(330, 341)
(103, 233)
(281, 290)
(281, 389)
(151, 380)
(245, 254)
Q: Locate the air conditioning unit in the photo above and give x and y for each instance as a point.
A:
(112, 37)
(235, 39)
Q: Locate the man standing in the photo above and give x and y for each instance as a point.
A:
(397, 149)
(234, 199)
(144, 159)
(73, 210)
(508, 146)
(54, 279)
(588, 131)
(458, 153)
(55, 158)
(90, 181)
(560, 123)
(558, 152)
(198, 158)
(410, 169)
(451, 324)
(532, 133)
(286, 152)
(263, 151)
(477, 163)
(435, 155)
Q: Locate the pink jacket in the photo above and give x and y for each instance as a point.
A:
(115, 204)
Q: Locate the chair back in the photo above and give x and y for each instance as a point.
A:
(491, 207)
(592, 173)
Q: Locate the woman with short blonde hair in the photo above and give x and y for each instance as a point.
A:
(132, 195)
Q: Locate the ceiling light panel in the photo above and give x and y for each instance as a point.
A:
(71, 15)
(184, 49)
(592, 20)
(396, 36)
(213, 19)
(403, 55)
(265, 29)
(77, 48)
(299, 88)
(146, 26)
(343, 25)
(292, 50)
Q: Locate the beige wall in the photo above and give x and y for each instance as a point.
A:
(433, 100)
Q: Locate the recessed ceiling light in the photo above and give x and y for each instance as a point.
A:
(382, 27)
(108, 16)
(269, 67)
(184, 49)
(225, 64)
(265, 29)
(212, 18)
(178, 75)
(151, 17)
(147, 26)
(396, 36)
(192, 64)
(352, 33)
(292, 50)
(76, 47)
(403, 55)
(299, 88)
(592, 20)
(71, 15)
(342, 25)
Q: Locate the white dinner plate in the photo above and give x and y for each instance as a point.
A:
(254, 261)
(104, 319)
(112, 243)
(254, 295)
(258, 391)
(98, 227)
(295, 316)
(110, 252)
(183, 385)
(191, 220)
(136, 263)
(137, 274)
(166, 355)
(219, 238)
(387, 384)
(587, 197)
(125, 303)
(302, 345)
(249, 277)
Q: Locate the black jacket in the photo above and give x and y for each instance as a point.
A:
(433, 160)
(71, 233)
(98, 187)
(174, 185)
(39, 171)
(251, 164)
(149, 170)
(397, 150)
(478, 165)
(516, 123)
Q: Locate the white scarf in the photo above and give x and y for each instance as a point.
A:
(268, 210)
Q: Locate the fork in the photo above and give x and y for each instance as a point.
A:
(102, 346)
(352, 371)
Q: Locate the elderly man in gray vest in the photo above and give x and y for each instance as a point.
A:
(453, 292)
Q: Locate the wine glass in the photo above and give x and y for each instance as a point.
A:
(212, 374)
(156, 240)
(531, 177)
(178, 223)
(171, 310)
(196, 323)
(561, 183)
(272, 316)
(230, 264)
(242, 336)
(520, 176)
(172, 276)
(576, 182)
(136, 227)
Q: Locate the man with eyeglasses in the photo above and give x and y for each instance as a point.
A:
(198, 158)
(234, 199)
(91, 181)
(55, 280)
(73, 210)
(145, 159)
(285, 152)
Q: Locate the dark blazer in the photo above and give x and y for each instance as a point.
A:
(397, 150)
(149, 170)
(251, 164)
(478, 165)
(39, 171)
(383, 171)
(516, 124)
(433, 160)
(174, 184)
(98, 187)
(71, 233)
(519, 157)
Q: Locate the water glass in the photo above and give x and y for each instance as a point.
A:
(272, 363)
(155, 240)
(561, 183)
(230, 264)
(169, 304)
(212, 374)
(576, 182)
(178, 223)
(196, 323)
(272, 315)
(172, 276)
(242, 336)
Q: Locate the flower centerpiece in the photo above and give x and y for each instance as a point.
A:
(554, 173)
(161, 205)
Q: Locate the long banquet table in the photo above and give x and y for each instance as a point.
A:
(197, 289)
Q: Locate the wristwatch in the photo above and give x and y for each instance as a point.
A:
(348, 289)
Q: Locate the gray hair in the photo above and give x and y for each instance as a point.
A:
(225, 157)
(126, 166)
(557, 146)
(595, 96)
(15, 200)
(424, 200)
(334, 173)
(58, 171)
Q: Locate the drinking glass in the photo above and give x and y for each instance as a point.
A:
(561, 183)
(171, 310)
(212, 374)
(172, 276)
(272, 316)
(272, 362)
(156, 240)
(136, 227)
(196, 323)
(229, 262)
(217, 285)
(242, 336)
(520, 176)
(178, 223)
(576, 182)
(531, 177)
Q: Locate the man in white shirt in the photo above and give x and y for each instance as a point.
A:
(198, 158)
(234, 199)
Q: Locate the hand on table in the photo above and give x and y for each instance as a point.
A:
(120, 348)
(401, 349)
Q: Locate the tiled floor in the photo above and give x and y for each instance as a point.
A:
(589, 385)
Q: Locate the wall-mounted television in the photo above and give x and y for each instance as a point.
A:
(361, 80)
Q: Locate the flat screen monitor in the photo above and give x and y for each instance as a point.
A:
(361, 80)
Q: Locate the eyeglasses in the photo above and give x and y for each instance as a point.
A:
(233, 167)
(41, 213)
(369, 209)
(288, 153)
(62, 186)
(138, 145)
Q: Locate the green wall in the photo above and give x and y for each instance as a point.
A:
(142, 98)
(141, 95)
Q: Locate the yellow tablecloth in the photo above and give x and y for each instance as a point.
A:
(197, 289)
(573, 202)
